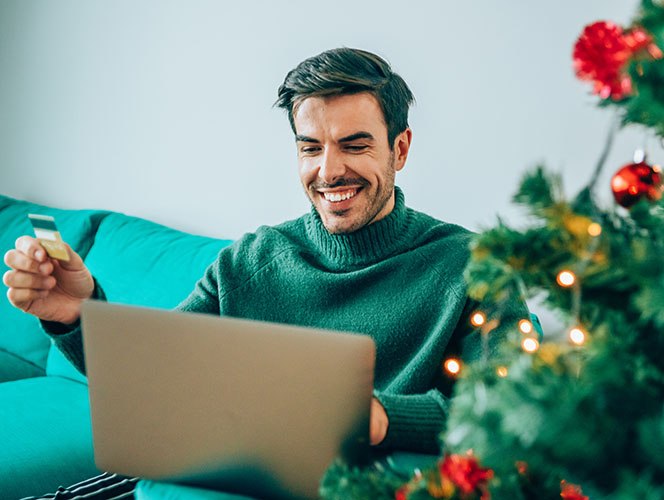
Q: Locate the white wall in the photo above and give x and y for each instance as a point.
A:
(162, 109)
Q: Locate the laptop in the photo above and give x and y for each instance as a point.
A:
(247, 407)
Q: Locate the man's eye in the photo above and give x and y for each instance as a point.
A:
(309, 150)
(356, 148)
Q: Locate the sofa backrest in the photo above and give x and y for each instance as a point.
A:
(139, 262)
(21, 336)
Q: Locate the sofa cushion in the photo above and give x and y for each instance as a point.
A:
(13, 367)
(143, 263)
(20, 333)
(58, 365)
(45, 434)
(154, 490)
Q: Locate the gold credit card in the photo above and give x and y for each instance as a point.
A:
(47, 234)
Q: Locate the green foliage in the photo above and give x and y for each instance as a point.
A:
(637, 486)
(344, 482)
(646, 106)
(539, 191)
(651, 440)
(592, 415)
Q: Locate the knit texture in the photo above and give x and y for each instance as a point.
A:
(399, 280)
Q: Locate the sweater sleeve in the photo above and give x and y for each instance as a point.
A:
(416, 421)
(69, 338)
(205, 296)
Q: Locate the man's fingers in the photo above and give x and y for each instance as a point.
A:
(21, 279)
(379, 423)
(31, 247)
(22, 298)
(21, 262)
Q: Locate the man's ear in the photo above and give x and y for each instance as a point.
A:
(401, 148)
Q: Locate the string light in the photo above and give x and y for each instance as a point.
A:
(530, 345)
(657, 169)
(525, 326)
(478, 318)
(594, 229)
(566, 278)
(452, 366)
(501, 371)
(577, 336)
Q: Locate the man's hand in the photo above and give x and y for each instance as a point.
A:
(47, 288)
(379, 423)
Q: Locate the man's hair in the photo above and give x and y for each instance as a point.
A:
(348, 71)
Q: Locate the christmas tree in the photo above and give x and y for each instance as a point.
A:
(581, 417)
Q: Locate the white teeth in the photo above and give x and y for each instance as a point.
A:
(339, 196)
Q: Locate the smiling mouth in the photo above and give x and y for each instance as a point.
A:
(340, 195)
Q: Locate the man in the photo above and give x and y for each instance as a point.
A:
(360, 261)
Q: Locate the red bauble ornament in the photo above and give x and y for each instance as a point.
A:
(636, 181)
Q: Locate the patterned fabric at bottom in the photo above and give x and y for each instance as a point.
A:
(103, 487)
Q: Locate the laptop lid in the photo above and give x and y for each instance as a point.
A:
(237, 405)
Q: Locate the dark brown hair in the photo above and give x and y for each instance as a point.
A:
(348, 71)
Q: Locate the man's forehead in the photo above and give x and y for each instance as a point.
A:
(340, 116)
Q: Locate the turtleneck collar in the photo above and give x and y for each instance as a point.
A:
(368, 244)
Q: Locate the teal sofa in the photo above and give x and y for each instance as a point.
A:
(45, 434)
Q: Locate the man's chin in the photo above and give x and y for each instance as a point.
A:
(340, 225)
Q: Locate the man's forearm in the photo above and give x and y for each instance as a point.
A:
(69, 338)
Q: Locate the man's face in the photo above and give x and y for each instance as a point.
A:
(346, 165)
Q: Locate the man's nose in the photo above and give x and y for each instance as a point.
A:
(332, 167)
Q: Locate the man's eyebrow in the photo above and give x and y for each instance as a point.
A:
(348, 138)
(356, 136)
(304, 138)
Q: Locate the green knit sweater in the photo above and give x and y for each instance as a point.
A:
(399, 280)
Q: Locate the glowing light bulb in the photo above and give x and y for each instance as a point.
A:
(566, 278)
(577, 336)
(478, 318)
(525, 326)
(594, 229)
(501, 371)
(530, 345)
(657, 169)
(452, 366)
